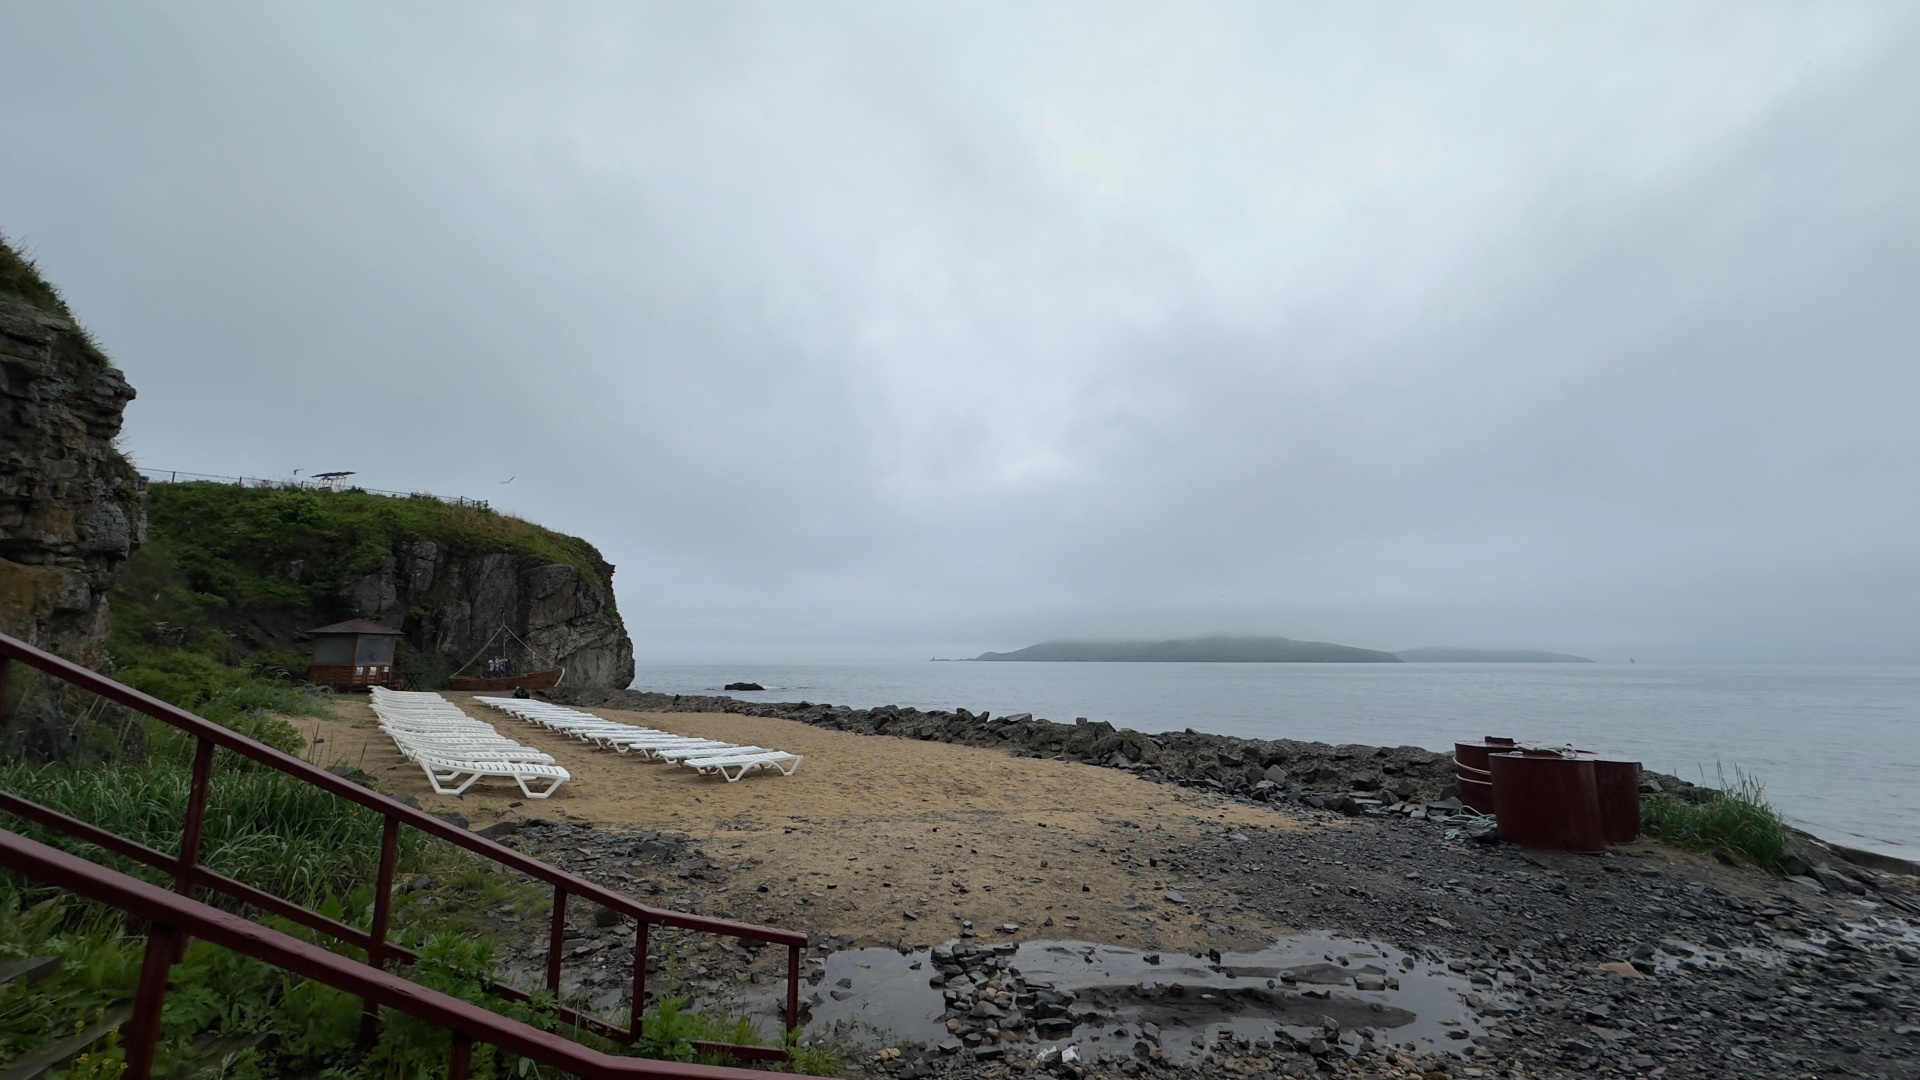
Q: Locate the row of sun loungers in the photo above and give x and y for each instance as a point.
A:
(709, 757)
(454, 749)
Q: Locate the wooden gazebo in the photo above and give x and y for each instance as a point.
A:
(353, 655)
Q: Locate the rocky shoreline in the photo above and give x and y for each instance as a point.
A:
(1350, 778)
(1643, 962)
(1631, 964)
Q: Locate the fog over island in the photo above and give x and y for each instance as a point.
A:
(865, 332)
(1446, 655)
(1218, 648)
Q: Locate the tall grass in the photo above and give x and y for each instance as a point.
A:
(265, 828)
(1735, 820)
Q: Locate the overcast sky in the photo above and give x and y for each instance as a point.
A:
(879, 331)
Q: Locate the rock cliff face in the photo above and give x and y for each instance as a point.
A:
(71, 507)
(454, 605)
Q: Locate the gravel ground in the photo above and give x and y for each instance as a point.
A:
(1641, 962)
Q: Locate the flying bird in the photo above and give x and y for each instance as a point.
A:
(511, 479)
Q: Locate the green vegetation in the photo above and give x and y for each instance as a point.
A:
(20, 280)
(230, 1016)
(262, 827)
(1735, 821)
(233, 574)
(279, 834)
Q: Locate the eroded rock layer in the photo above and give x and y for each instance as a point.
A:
(71, 507)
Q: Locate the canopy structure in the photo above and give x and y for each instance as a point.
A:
(353, 655)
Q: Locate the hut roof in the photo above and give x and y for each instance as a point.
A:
(356, 626)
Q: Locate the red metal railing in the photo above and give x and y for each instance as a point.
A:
(172, 918)
(189, 875)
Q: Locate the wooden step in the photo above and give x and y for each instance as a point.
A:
(31, 970)
(30, 1065)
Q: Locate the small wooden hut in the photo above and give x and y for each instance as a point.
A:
(353, 655)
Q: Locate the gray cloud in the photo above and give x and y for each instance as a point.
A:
(870, 331)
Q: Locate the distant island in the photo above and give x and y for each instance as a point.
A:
(1438, 655)
(1218, 649)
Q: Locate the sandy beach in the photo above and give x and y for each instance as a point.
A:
(869, 829)
(1644, 962)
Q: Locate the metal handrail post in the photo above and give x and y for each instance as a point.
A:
(164, 944)
(196, 817)
(793, 987)
(641, 935)
(383, 890)
(460, 1060)
(377, 929)
(556, 939)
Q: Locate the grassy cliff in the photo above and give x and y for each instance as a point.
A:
(230, 576)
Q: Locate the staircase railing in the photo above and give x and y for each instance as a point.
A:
(171, 918)
(188, 875)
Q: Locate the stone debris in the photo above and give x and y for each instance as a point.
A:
(1736, 973)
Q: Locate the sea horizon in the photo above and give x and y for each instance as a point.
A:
(1834, 744)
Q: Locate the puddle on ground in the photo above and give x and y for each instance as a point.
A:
(1119, 996)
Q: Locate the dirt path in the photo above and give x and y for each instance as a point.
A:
(872, 829)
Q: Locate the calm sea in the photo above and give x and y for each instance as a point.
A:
(1838, 748)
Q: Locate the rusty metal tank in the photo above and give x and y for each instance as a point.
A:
(1473, 772)
(1546, 799)
(1617, 783)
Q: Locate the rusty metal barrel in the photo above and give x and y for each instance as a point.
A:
(1546, 799)
(1617, 782)
(1473, 772)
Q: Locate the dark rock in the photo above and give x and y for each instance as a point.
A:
(744, 686)
(1053, 1027)
(1837, 881)
(354, 773)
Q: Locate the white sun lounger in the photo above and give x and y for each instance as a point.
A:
(456, 750)
(706, 756)
(658, 748)
(732, 767)
(445, 773)
(683, 753)
(413, 748)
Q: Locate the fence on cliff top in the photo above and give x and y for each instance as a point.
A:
(170, 476)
